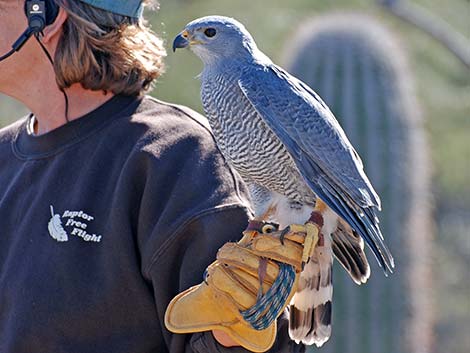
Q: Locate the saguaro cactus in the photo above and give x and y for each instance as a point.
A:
(359, 70)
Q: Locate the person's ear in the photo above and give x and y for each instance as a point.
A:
(55, 28)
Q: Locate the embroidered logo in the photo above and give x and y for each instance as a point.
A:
(75, 221)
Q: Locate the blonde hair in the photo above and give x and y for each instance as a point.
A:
(104, 51)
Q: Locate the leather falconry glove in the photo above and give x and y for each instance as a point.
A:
(248, 286)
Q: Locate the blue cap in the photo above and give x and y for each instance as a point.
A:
(131, 8)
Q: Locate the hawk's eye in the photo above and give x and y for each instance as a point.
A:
(210, 32)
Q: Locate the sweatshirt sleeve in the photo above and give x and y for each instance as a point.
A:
(192, 203)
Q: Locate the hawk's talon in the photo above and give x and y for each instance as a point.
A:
(308, 234)
(284, 232)
(311, 240)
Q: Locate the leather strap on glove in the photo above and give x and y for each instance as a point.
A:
(240, 281)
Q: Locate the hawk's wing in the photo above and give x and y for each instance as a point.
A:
(320, 149)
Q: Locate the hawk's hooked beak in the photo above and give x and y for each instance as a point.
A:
(181, 40)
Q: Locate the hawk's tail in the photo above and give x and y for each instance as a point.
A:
(348, 247)
(310, 309)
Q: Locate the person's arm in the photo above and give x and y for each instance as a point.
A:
(192, 203)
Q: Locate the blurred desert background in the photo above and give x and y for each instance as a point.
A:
(431, 84)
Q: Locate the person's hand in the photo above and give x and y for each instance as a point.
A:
(224, 339)
(246, 288)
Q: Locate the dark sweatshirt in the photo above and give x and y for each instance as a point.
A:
(103, 221)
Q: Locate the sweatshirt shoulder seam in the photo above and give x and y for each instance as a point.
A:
(184, 112)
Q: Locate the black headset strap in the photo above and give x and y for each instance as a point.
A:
(52, 10)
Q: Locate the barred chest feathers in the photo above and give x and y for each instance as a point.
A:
(247, 142)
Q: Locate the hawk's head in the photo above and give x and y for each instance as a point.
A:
(214, 38)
